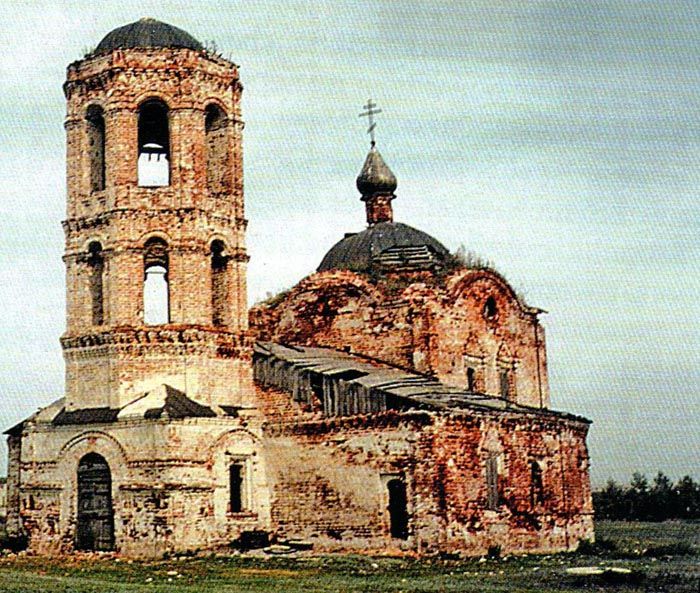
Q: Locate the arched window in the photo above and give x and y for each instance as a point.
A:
(156, 306)
(154, 144)
(219, 283)
(236, 476)
(217, 147)
(536, 485)
(96, 147)
(95, 262)
(490, 309)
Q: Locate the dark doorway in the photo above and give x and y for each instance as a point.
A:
(95, 513)
(398, 514)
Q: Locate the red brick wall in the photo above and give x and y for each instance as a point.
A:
(326, 478)
(188, 215)
(434, 326)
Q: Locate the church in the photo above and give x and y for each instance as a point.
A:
(395, 400)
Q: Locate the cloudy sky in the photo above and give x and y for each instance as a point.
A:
(560, 140)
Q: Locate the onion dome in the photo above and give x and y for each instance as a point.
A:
(386, 246)
(375, 176)
(147, 32)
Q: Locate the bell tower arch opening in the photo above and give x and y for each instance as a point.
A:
(95, 521)
(156, 287)
(153, 144)
(96, 147)
(219, 283)
(217, 150)
(95, 261)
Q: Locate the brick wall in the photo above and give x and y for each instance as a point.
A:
(433, 325)
(201, 206)
(328, 478)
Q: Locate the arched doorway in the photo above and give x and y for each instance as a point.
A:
(95, 530)
(398, 513)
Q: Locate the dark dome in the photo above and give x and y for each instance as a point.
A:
(384, 246)
(147, 32)
(375, 177)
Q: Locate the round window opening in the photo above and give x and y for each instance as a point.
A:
(490, 309)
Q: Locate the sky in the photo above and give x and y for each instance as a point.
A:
(559, 140)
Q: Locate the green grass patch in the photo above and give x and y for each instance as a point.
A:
(674, 571)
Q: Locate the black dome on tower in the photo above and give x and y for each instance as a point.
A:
(147, 32)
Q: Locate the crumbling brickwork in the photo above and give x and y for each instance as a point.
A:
(202, 205)
(169, 482)
(328, 480)
(420, 425)
(439, 327)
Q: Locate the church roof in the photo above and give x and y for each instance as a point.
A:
(163, 401)
(361, 385)
(147, 32)
(375, 176)
(385, 245)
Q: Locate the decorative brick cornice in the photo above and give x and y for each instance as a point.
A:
(173, 339)
(91, 222)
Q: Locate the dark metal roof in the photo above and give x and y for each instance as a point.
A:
(362, 385)
(16, 430)
(175, 404)
(147, 32)
(178, 405)
(375, 176)
(86, 416)
(385, 245)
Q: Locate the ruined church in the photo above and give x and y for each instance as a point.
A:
(395, 400)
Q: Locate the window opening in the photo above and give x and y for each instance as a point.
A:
(217, 149)
(471, 379)
(96, 147)
(504, 378)
(236, 487)
(153, 145)
(398, 512)
(156, 306)
(490, 308)
(492, 493)
(536, 484)
(219, 283)
(96, 264)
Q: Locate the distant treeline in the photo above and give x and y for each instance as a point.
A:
(641, 501)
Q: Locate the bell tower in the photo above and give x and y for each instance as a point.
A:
(155, 230)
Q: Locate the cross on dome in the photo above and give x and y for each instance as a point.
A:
(369, 113)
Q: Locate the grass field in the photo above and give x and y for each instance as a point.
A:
(663, 557)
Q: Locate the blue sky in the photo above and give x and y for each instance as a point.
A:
(560, 140)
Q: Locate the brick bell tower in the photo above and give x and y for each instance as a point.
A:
(155, 230)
